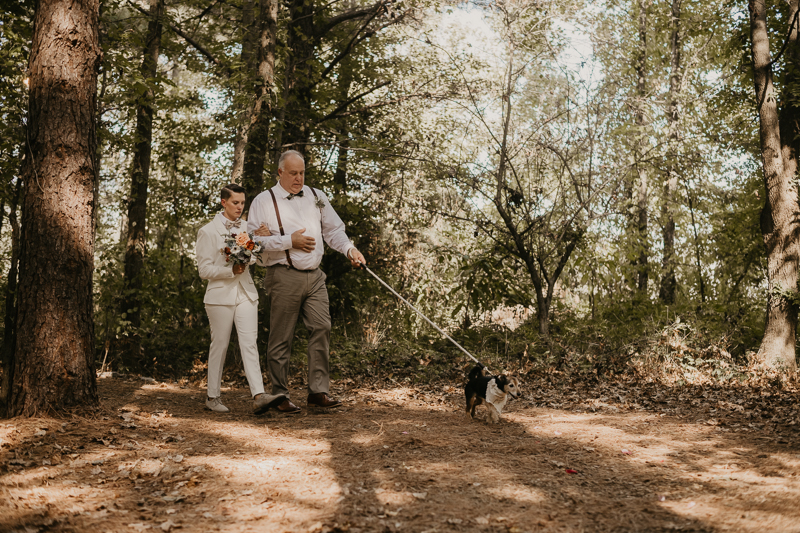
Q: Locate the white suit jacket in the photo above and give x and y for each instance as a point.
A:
(223, 285)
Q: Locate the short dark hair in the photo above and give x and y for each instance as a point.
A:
(229, 190)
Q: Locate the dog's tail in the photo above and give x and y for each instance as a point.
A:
(475, 372)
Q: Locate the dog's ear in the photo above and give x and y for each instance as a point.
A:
(501, 381)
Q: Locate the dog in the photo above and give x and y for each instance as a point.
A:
(493, 391)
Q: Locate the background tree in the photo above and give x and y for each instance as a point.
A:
(136, 243)
(779, 114)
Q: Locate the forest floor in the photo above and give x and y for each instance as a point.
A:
(624, 456)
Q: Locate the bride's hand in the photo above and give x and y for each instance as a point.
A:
(262, 231)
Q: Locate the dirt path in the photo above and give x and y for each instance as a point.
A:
(402, 459)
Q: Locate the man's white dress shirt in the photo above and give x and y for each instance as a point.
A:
(297, 213)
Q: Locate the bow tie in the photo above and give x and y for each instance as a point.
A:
(232, 223)
(292, 195)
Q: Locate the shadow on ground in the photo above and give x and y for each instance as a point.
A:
(391, 460)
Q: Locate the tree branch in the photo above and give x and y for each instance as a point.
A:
(197, 46)
(335, 61)
(348, 15)
(343, 106)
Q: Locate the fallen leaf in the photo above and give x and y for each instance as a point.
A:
(168, 525)
(482, 521)
(420, 495)
(570, 471)
(626, 452)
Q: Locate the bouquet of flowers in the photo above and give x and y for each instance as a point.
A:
(241, 248)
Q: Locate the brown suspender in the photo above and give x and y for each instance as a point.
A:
(280, 224)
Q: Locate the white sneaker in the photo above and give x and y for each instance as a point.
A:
(215, 404)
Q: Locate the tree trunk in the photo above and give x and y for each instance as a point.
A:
(255, 152)
(779, 225)
(642, 188)
(668, 282)
(340, 176)
(140, 176)
(301, 40)
(54, 356)
(345, 80)
(248, 57)
(9, 336)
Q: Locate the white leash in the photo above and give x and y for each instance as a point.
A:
(420, 313)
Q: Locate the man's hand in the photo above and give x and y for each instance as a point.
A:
(301, 242)
(239, 268)
(355, 257)
(262, 231)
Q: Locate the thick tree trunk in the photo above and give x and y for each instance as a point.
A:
(54, 356)
(642, 187)
(140, 176)
(255, 152)
(779, 224)
(668, 281)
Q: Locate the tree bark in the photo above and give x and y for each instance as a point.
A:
(248, 58)
(668, 281)
(255, 151)
(136, 239)
(301, 40)
(642, 186)
(779, 224)
(54, 356)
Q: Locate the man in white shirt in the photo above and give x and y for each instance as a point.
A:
(300, 219)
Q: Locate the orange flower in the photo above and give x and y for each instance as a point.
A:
(250, 245)
(242, 239)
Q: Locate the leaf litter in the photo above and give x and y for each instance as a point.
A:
(408, 458)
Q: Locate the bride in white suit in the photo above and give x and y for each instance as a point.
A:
(231, 299)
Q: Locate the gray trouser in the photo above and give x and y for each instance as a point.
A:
(296, 293)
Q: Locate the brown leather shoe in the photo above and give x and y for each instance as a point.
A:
(320, 399)
(264, 402)
(288, 407)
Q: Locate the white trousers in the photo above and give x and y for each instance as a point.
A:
(222, 318)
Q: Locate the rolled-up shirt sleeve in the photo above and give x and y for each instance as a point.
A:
(333, 228)
(258, 215)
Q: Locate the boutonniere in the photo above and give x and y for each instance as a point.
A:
(320, 203)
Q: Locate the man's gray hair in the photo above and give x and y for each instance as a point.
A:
(288, 153)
